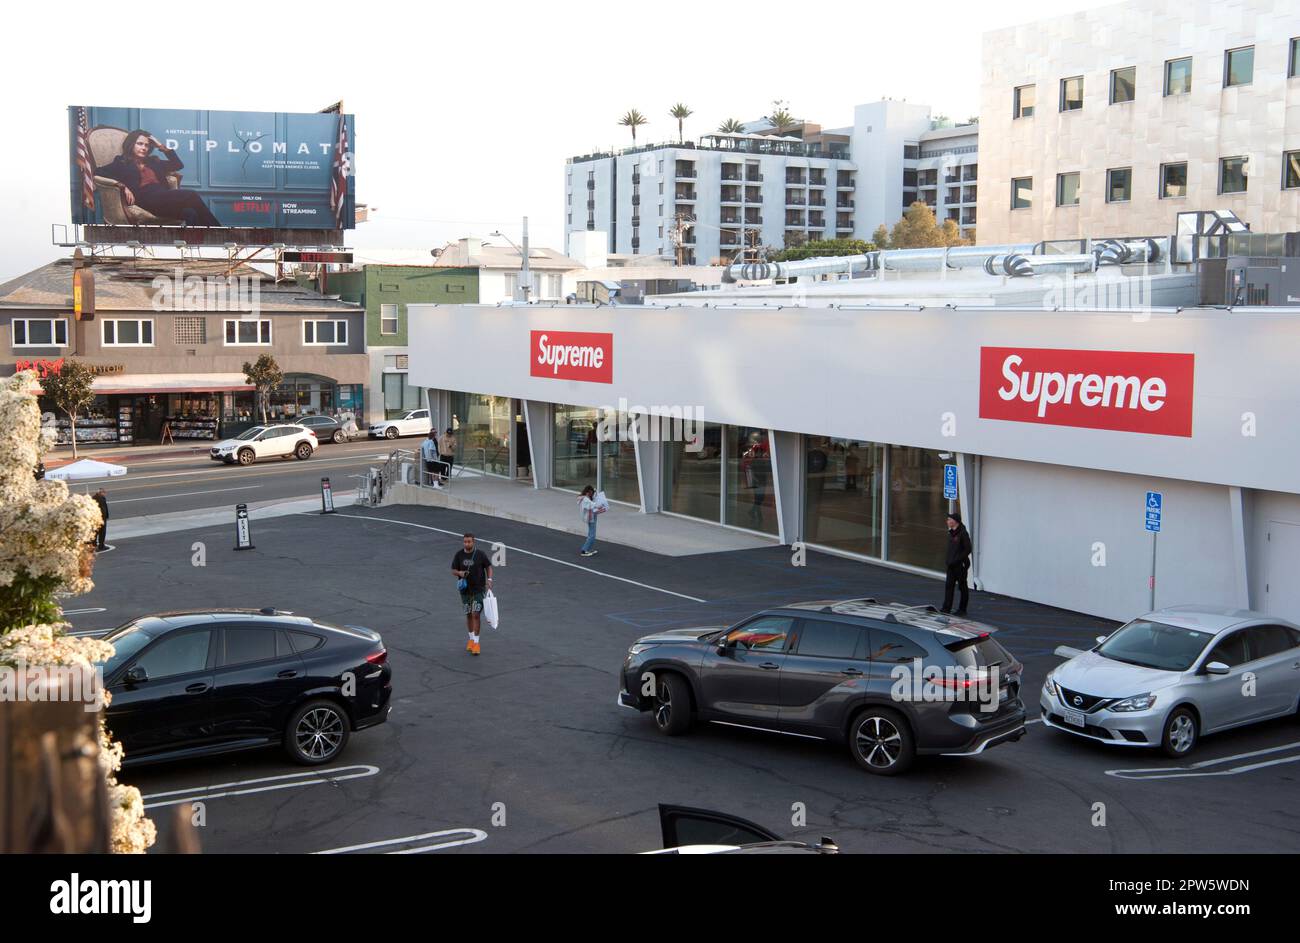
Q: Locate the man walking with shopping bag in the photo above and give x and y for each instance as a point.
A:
(473, 572)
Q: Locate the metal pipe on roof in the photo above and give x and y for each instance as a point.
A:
(894, 260)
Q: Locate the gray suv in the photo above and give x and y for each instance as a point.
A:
(891, 681)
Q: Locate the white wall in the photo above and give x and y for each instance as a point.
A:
(1260, 120)
(1043, 528)
(1273, 573)
(879, 132)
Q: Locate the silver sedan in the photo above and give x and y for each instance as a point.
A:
(1171, 676)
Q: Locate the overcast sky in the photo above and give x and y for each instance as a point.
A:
(465, 113)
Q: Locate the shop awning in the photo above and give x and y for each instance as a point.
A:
(171, 383)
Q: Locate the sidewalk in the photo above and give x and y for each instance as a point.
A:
(62, 454)
(148, 524)
(558, 510)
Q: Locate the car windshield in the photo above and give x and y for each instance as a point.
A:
(1155, 645)
(250, 434)
(127, 641)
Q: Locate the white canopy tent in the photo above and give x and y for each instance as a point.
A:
(85, 470)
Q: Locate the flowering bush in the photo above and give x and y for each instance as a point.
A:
(45, 533)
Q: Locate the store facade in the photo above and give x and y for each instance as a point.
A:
(167, 374)
(847, 430)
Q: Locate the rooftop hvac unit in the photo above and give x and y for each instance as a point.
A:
(1262, 280)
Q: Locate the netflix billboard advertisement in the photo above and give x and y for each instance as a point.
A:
(1122, 391)
(244, 169)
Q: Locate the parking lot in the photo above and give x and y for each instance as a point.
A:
(524, 749)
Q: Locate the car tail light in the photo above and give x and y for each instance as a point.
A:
(378, 658)
(978, 677)
(311, 433)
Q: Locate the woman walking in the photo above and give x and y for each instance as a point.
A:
(589, 508)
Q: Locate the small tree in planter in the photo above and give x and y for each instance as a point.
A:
(71, 390)
(45, 547)
(265, 376)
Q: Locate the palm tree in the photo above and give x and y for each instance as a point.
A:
(781, 118)
(731, 126)
(633, 119)
(681, 113)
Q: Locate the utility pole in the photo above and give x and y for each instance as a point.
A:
(526, 274)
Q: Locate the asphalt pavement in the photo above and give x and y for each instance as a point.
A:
(523, 749)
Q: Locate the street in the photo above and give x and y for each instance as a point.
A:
(524, 749)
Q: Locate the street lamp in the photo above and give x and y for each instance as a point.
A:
(525, 274)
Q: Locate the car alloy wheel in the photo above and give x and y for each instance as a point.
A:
(390, 432)
(319, 733)
(879, 742)
(302, 452)
(1180, 733)
(671, 705)
(339, 437)
(246, 457)
(664, 707)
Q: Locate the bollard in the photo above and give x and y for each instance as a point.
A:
(243, 536)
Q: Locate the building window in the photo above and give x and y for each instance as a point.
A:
(322, 333)
(1291, 170)
(44, 332)
(512, 285)
(1123, 85)
(1173, 180)
(1023, 106)
(1239, 66)
(245, 333)
(186, 331)
(388, 319)
(917, 508)
(1293, 63)
(692, 480)
(1067, 189)
(844, 494)
(751, 500)
(1178, 76)
(1119, 184)
(128, 333)
(1022, 193)
(1072, 93)
(1232, 175)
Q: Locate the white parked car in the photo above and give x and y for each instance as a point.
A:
(415, 422)
(278, 441)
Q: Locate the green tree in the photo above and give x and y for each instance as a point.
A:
(821, 248)
(681, 113)
(731, 126)
(265, 376)
(881, 236)
(71, 391)
(781, 117)
(633, 119)
(918, 229)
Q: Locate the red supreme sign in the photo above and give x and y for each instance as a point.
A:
(572, 355)
(1124, 391)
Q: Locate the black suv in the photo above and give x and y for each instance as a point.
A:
(889, 680)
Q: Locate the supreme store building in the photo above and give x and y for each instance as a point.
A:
(853, 423)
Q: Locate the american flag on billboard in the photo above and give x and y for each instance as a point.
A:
(342, 169)
(83, 161)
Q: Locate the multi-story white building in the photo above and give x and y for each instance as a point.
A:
(1113, 120)
(725, 192)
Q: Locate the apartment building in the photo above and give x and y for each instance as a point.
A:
(705, 201)
(1113, 120)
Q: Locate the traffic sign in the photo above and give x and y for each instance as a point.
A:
(243, 535)
(950, 482)
(1154, 510)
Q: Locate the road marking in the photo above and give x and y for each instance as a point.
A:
(1202, 768)
(529, 553)
(126, 481)
(287, 781)
(84, 612)
(183, 494)
(470, 837)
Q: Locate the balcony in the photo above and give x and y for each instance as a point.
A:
(816, 199)
(815, 220)
(844, 183)
(844, 227)
(755, 220)
(844, 203)
(968, 195)
(753, 176)
(684, 196)
(953, 196)
(731, 196)
(729, 219)
(795, 199)
(731, 173)
(753, 195)
(952, 178)
(795, 222)
(796, 180)
(970, 173)
(685, 173)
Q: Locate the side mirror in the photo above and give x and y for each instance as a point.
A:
(1102, 638)
(136, 674)
(1216, 668)
(724, 646)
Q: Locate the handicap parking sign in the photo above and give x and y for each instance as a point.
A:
(950, 482)
(1154, 509)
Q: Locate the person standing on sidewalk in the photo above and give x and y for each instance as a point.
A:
(587, 505)
(429, 459)
(958, 564)
(447, 450)
(473, 571)
(101, 498)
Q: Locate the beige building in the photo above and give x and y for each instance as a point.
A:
(1111, 121)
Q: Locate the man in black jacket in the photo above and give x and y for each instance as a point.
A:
(101, 498)
(958, 564)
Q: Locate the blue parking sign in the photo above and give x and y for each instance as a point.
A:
(1154, 509)
(950, 482)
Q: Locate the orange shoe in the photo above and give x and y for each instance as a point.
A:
(469, 645)
(473, 648)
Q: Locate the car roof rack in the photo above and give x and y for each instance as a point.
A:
(892, 616)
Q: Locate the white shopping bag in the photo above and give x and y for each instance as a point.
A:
(490, 609)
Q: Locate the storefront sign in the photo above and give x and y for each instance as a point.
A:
(572, 355)
(1123, 391)
(42, 368)
(104, 369)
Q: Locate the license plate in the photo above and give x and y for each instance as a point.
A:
(1074, 717)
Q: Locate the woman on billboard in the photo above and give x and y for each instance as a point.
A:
(143, 176)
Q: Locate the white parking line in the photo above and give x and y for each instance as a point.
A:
(84, 612)
(312, 777)
(1203, 768)
(183, 494)
(530, 553)
(466, 836)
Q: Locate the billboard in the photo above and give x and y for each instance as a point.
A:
(246, 169)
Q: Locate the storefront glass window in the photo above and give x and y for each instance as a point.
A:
(618, 476)
(575, 447)
(399, 396)
(843, 494)
(751, 496)
(692, 481)
(482, 425)
(918, 533)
